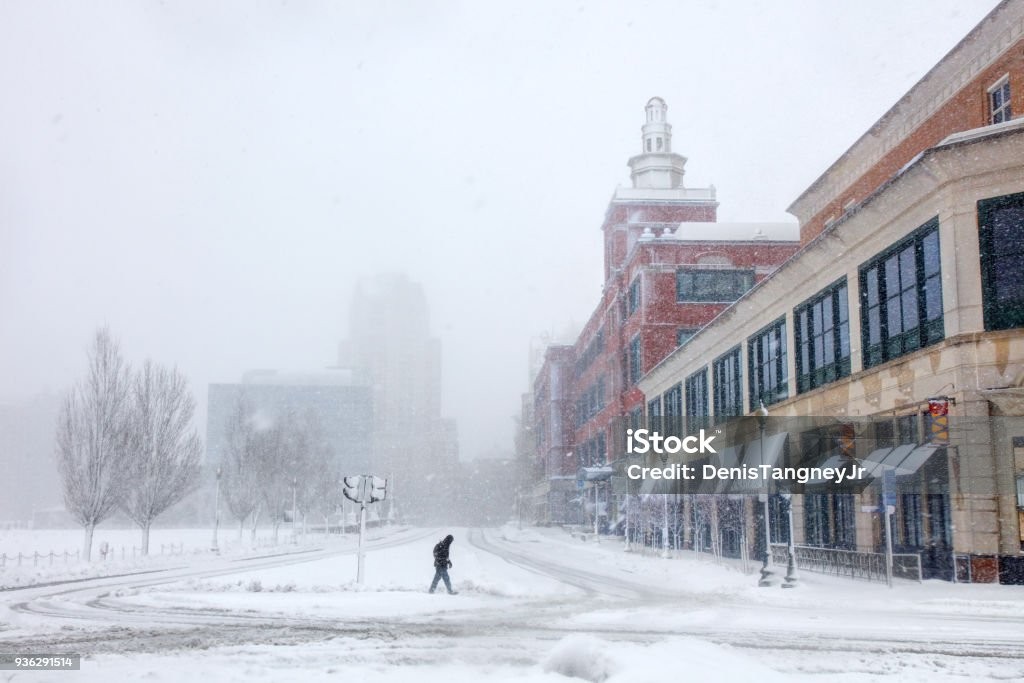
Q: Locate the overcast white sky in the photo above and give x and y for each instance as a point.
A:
(211, 178)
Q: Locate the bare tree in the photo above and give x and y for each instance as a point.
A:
(322, 492)
(92, 437)
(275, 472)
(240, 466)
(165, 449)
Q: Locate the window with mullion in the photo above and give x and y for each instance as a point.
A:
(712, 285)
(822, 338)
(696, 386)
(633, 299)
(766, 360)
(636, 418)
(1001, 236)
(673, 400)
(999, 102)
(901, 297)
(654, 414)
(635, 360)
(728, 392)
(683, 335)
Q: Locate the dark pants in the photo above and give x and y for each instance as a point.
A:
(441, 573)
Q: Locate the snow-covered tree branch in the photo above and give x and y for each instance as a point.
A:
(240, 474)
(165, 449)
(92, 437)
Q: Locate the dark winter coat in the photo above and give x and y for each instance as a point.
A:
(441, 552)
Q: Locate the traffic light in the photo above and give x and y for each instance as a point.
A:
(847, 440)
(352, 486)
(938, 409)
(378, 489)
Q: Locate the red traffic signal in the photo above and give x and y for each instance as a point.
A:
(938, 407)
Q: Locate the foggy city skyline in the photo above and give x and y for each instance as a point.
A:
(213, 184)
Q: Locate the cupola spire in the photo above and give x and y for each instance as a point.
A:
(657, 166)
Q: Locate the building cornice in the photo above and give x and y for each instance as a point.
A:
(986, 43)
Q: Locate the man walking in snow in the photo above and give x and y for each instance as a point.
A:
(442, 564)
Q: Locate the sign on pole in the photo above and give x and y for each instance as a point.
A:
(889, 487)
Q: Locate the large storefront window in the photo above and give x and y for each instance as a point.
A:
(766, 358)
(829, 521)
(1001, 232)
(778, 510)
(901, 298)
(728, 383)
(822, 338)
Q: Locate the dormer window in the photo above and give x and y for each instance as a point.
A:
(999, 101)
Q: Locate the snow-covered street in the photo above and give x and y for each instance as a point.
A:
(532, 605)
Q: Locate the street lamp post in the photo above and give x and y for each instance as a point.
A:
(767, 566)
(791, 575)
(664, 521)
(214, 546)
(295, 490)
(519, 508)
(626, 528)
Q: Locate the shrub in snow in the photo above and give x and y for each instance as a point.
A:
(579, 656)
(254, 586)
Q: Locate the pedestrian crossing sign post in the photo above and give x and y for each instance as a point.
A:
(888, 488)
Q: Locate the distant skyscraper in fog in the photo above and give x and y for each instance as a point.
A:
(342, 408)
(390, 349)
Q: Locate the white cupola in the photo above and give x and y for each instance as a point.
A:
(656, 166)
(657, 133)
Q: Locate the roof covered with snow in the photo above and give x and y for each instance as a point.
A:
(731, 232)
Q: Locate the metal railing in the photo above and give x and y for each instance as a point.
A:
(852, 563)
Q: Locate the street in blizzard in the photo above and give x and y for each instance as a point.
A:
(678, 349)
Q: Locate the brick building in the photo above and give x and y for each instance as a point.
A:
(669, 269)
(905, 295)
